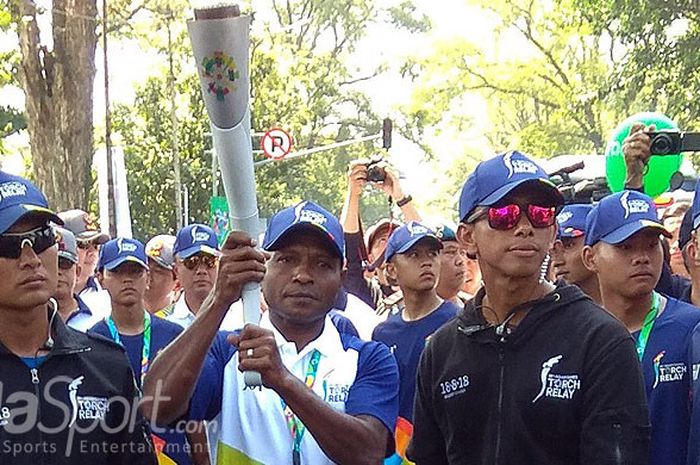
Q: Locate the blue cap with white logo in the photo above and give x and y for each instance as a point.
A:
(122, 250)
(19, 197)
(495, 178)
(305, 215)
(407, 236)
(696, 207)
(196, 238)
(619, 216)
(572, 220)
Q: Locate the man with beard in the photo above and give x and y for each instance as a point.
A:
(328, 397)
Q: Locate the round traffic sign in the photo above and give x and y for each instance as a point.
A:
(276, 143)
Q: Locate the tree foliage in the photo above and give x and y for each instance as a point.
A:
(656, 44)
(300, 81)
(581, 67)
(57, 80)
(559, 97)
(12, 120)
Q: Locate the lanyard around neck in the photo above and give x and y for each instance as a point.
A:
(296, 427)
(146, 352)
(647, 325)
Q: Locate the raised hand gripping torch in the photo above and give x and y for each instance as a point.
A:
(221, 42)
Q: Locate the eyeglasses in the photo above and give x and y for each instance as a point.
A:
(39, 239)
(508, 216)
(65, 264)
(209, 261)
(87, 245)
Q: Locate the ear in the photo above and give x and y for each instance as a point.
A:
(78, 270)
(390, 271)
(100, 278)
(691, 250)
(465, 238)
(553, 236)
(589, 258)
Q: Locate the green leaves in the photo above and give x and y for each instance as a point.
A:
(299, 81)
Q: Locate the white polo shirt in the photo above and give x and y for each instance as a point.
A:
(354, 376)
(182, 315)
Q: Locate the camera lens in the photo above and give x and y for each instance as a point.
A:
(375, 174)
(661, 144)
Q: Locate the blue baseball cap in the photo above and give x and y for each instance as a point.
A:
(619, 216)
(445, 232)
(696, 207)
(685, 232)
(407, 236)
(19, 197)
(495, 178)
(121, 250)
(571, 220)
(305, 215)
(196, 238)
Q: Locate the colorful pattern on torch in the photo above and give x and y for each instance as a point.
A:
(222, 73)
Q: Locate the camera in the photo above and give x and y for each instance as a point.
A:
(375, 172)
(674, 142)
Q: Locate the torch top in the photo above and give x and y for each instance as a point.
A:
(220, 10)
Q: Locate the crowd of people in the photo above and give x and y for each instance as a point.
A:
(527, 332)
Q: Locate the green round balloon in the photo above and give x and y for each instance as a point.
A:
(658, 177)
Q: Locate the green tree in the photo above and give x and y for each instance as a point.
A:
(654, 50)
(559, 97)
(12, 120)
(300, 80)
(57, 80)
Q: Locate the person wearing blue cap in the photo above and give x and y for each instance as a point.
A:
(636, 149)
(328, 397)
(412, 258)
(67, 397)
(623, 247)
(122, 270)
(454, 264)
(567, 262)
(529, 372)
(197, 255)
(72, 309)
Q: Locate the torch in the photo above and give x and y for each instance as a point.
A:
(221, 42)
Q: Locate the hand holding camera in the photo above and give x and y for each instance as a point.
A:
(637, 151)
(357, 177)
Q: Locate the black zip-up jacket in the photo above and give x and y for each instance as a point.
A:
(77, 407)
(564, 387)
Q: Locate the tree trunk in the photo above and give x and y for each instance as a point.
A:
(58, 85)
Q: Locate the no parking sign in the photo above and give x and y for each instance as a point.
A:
(276, 143)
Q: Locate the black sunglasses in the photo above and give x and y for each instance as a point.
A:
(39, 239)
(65, 264)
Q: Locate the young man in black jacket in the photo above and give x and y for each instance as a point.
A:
(65, 397)
(528, 373)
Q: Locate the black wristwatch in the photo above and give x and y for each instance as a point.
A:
(404, 201)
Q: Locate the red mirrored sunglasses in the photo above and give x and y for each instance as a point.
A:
(507, 217)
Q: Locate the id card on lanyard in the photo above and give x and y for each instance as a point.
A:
(296, 427)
